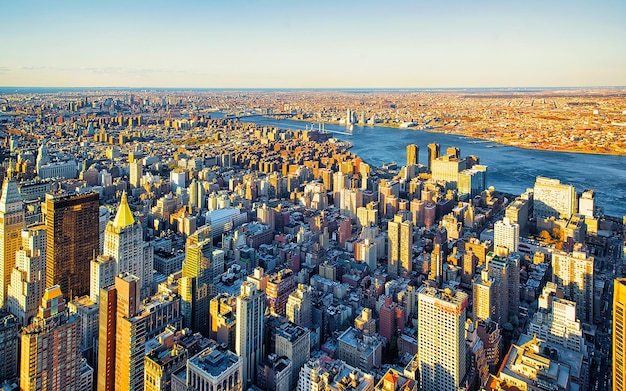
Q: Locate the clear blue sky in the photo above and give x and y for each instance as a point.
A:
(313, 44)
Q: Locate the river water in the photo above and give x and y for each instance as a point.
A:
(511, 169)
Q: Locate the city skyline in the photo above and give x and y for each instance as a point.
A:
(322, 45)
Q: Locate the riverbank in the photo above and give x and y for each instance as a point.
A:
(531, 145)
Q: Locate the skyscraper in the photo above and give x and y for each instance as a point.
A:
(50, 358)
(505, 236)
(433, 153)
(123, 241)
(619, 334)
(441, 339)
(71, 240)
(485, 295)
(412, 154)
(11, 224)
(574, 274)
(249, 332)
(125, 326)
(196, 285)
(136, 172)
(9, 346)
(553, 199)
(28, 279)
(299, 306)
(400, 255)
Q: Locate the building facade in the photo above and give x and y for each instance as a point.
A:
(72, 239)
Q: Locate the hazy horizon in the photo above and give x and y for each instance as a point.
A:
(321, 45)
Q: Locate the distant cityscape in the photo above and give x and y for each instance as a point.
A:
(163, 240)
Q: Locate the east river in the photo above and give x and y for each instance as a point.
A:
(511, 169)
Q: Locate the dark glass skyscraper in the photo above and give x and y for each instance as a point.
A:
(72, 238)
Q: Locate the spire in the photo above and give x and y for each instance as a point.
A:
(10, 195)
(124, 216)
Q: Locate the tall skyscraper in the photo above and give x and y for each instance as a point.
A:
(71, 240)
(249, 332)
(441, 339)
(574, 274)
(196, 285)
(553, 199)
(400, 255)
(11, 224)
(412, 154)
(433, 153)
(123, 241)
(505, 273)
(136, 172)
(619, 334)
(28, 279)
(50, 358)
(485, 295)
(125, 326)
(505, 235)
(9, 346)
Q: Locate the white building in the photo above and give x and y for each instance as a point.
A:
(441, 339)
(553, 199)
(506, 235)
(66, 170)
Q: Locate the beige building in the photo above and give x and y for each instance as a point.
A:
(11, 225)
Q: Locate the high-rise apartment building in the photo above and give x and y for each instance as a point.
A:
(249, 331)
(28, 279)
(553, 199)
(71, 240)
(136, 172)
(574, 274)
(441, 339)
(619, 334)
(400, 255)
(485, 296)
(123, 241)
(412, 154)
(558, 325)
(196, 285)
(88, 314)
(300, 306)
(293, 342)
(50, 358)
(505, 271)
(506, 236)
(223, 321)
(125, 326)
(11, 225)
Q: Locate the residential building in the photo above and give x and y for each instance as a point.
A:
(441, 339)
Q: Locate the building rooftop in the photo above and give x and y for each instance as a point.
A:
(215, 360)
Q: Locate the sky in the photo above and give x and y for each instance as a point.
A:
(313, 44)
